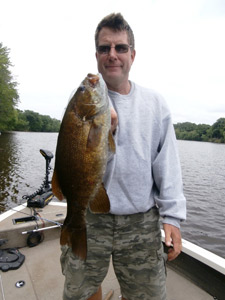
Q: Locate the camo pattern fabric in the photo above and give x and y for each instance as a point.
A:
(134, 241)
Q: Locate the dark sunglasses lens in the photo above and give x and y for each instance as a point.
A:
(122, 48)
(103, 49)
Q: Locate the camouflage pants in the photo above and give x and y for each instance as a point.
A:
(134, 241)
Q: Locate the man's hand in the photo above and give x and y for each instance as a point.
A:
(172, 236)
(114, 120)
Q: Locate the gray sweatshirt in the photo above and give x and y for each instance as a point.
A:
(145, 171)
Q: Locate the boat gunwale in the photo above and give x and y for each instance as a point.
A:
(208, 258)
(212, 260)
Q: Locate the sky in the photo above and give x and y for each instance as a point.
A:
(180, 51)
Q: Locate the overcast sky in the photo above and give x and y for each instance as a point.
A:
(180, 49)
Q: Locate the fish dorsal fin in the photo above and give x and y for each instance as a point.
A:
(56, 187)
(100, 204)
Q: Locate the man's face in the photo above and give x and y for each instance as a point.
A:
(114, 66)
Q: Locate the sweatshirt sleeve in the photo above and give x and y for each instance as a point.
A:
(167, 175)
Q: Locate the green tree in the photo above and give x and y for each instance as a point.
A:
(55, 125)
(21, 122)
(8, 93)
(185, 127)
(201, 132)
(50, 125)
(202, 129)
(34, 120)
(218, 130)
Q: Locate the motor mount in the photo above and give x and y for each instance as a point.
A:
(44, 194)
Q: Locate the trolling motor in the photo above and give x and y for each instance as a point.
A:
(11, 259)
(44, 194)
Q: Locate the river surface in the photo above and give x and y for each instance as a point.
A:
(22, 171)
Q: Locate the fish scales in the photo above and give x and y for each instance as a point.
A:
(83, 146)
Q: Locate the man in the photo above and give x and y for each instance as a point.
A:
(143, 180)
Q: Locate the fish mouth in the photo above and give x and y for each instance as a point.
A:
(92, 97)
(93, 79)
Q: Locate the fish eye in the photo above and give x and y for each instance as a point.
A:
(82, 88)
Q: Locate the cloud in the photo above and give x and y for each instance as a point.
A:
(180, 51)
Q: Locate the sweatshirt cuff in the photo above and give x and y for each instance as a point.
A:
(172, 221)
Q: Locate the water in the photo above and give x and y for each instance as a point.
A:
(203, 168)
(22, 171)
(22, 167)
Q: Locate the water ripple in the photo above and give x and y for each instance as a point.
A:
(203, 168)
(22, 170)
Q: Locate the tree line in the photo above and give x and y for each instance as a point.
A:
(32, 121)
(29, 120)
(10, 117)
(13, 119)
(201, 132)
(8, 93)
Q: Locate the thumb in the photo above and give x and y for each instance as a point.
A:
(114, 120)
(168, 238)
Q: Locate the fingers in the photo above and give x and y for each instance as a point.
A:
(168, 239)
(172, 238)
(173, 253)
(114, 120)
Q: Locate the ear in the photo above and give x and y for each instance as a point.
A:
(133, 54)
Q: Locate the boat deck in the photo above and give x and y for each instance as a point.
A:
(43, 279)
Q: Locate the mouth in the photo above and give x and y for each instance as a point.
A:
(112, 67)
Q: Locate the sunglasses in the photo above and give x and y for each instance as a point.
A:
(120, 48)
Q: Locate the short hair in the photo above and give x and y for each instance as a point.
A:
(115, 22)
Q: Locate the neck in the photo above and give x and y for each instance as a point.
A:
(122, 88)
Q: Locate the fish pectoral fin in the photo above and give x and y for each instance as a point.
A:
(100, 204)
(94, 136)
(76, 239)
(112, 146)
(56, 187)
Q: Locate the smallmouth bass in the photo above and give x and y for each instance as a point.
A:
(83, 146)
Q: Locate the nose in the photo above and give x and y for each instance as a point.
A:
(112, 53)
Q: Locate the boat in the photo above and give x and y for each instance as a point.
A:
(30, 256)
(30, 261)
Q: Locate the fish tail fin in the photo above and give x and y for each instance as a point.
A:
(65, 236)
(79, 243)
(76, 239)
(100, 204)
